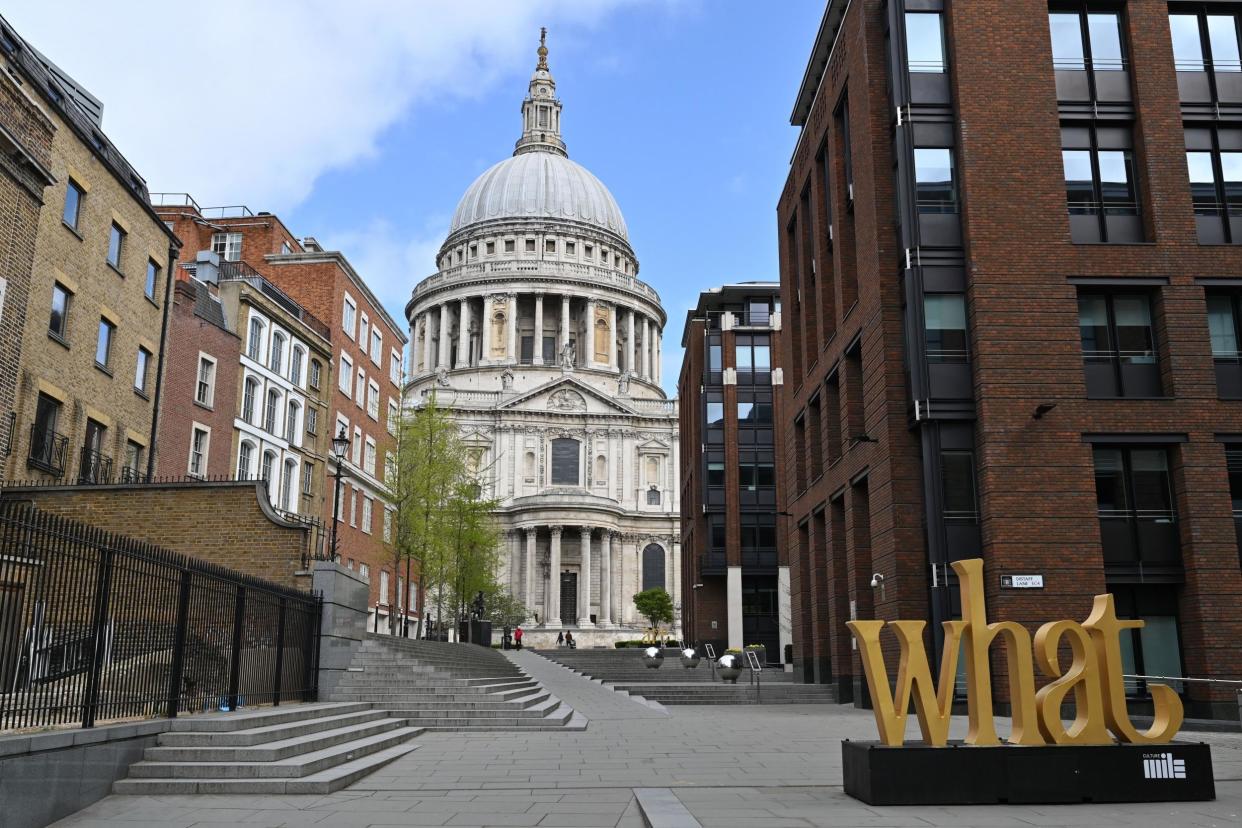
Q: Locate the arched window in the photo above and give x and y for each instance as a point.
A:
(653, 496)
(286, 483)
(255, 346)
(601, 470)
(269, 414)
(565, 457)
(252, 390)
(278, 352)
(291, 422)
(653, 566)
(245, 455)
(265, 473)
(295, 364)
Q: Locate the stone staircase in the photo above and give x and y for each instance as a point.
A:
(624, 670)
(453, 687)
(299, 749)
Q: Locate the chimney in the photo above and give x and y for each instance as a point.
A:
(207, 267)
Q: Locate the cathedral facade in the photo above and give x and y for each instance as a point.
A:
(540, 339)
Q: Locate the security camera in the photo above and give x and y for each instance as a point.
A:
(876, 580)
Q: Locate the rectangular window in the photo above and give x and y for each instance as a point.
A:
(227, 246)
(132, 470)
(312, 420)
(360, 388)
(1134, 495)
(353, 508)
(47, 447)
(367, 506)
(200, 440)
(1214, 168)
(58, 323)
(349, 314)
(924, 42)
(364, 570)
(254, 347)
(1225, 331)
(944, 319)
(315, 374)
(1082, 40)
(205, 389)
(72, 210)
(530, 245)
(935, 189)
(491, 248)
(957, 470)
(394, 366)
(308, 476)
(387, 526)
(377, 346)
(364, 332)
(383, 590)
(356, 446)
(103, 343)
(393, 417)
(508, 245)
(140, 370)
(549, 246)
(116, 244)
(373, 394)
(346, 380)
(1101, 184)
(1118, 345)
(153, 277)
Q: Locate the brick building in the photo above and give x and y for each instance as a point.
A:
(360, 380)
(1012, 310)
(25, 156)
(88, 388)
(733, 564)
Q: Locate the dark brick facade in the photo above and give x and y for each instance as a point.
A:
(1013, 406)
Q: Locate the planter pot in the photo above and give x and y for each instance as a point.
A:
(653, 657)
(729, 667)
(689, 659)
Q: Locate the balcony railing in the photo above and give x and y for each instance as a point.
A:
(47, 450)
(536, 268)
(94, 467)
(132, 475)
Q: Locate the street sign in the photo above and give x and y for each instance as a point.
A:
(1022, 582)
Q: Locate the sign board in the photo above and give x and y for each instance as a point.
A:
(1022, 582)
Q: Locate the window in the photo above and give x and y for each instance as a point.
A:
(383, 590)
(47, 447)
(653, 566)
(367, 507)
(1221, 54)
(254, 347)
(308, 476)
(1233, 464)
(924, 42)
(377, 346)
(944, 318)
(103, 343)
(714, 417)
(291, 422)
(368, 459)
(565, 461)
(530, 245)
(1214, 167)
(757, 477)
(286, 484)
(316, 373)
(73, 204)
(1134, 496)
(285, 248)
(1118, 345)
(200, 439)
(132, 470)
(227, 246)
(205, 388)
(388, 528)
(140, 370)
(276, 363)
(245, 456)
(393, 416)
(490, 247)
(116, 241)
(348, 315)
(394, 366)
(957, 475)
(58, 323)
(588, 251)
(1225, 330)
(509, 245)
(754, 358)
(269, 413)
(474, 251)
(653, 496)
(153, 276)
(265, 473)
(1082, 40)
(364, 331)
(549, 246)
(373, 394)
(248, 397)
(935, 190)
(570, 248)
(346, 379)
(312, 420)
(1100, 184)
(356, 446)
(296, 358)
(360, 389)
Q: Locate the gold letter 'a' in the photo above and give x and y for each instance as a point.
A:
(932, 705)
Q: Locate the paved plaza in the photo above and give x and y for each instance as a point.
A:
(745, 766)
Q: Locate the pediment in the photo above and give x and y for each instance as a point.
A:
(567, 395)
(653, 445)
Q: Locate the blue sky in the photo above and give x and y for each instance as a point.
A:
(370, 127)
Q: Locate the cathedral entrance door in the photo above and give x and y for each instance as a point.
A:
(569, 598)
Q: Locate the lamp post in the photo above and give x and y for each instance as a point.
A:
(340, 445)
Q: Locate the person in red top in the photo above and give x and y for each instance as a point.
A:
(517, 637)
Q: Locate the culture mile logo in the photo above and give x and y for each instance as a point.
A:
(1163, 766)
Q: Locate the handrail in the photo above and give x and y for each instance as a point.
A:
(1184, 678)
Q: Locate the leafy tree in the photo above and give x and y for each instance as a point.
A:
(656, 606)
(504, 610)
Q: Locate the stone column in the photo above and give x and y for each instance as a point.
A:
(584, 581)
(463, 333)
(645, 356)
(552, 604)
(485, 353)
(612, 336)
(429, 359)
(443, 359)
(564, 325)
(529, 593)
(629, 341)
(511, 347)
(538, 350)
(605, 579)
(589, 362)
(655, 354)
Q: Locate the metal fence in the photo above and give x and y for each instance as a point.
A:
(95, 627)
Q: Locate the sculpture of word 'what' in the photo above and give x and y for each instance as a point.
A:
(1094, 676)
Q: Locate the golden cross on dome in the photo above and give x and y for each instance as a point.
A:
(543, 48)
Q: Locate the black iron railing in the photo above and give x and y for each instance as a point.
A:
(98, 627)
(47, 450)
(94, 467)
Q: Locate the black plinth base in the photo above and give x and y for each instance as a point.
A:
(960, 775)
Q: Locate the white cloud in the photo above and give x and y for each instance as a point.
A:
(251, 102)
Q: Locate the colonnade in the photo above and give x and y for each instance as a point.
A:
(492, 329)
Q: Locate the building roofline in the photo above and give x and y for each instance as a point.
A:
(821, 53)
(695, 313)
(338, 258)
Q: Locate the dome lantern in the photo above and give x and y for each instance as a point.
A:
(541, 110)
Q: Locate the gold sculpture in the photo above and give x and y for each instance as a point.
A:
(1094, 675)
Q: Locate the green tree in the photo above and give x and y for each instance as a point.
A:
(656, 606)
(504, 610)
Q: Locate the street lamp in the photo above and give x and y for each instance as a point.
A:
(340, 445)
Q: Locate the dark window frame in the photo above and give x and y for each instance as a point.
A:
(1114, 355)
(1098, 206)
(80, 194)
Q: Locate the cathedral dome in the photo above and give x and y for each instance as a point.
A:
(539, 185)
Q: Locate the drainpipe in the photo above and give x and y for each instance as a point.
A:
(173, 252)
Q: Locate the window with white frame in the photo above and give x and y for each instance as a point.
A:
(353, 508)
(360, 389)
(400, 592)
(373, 400)
(364, 331)
(356, 447)
(315, 374)
(413, 605)
(368, 460)
(265, 471)
(254, 348)
(390, 468)
(367, 506)
(227, 246)
(349, 314)
(269, 412)
(286, 483)
(312, 420)
(249, 396)
(296, 358)
(388, 526)
(277, 361)
(200, 445)
(346, 380)
(308, 476)
(245, 456)
(394, 366)
(393, 416)
(364, 570)
(291, 423)
(205, 389)
(383, 592)
(377, 346)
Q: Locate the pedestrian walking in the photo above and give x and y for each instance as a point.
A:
(517, 637)
(560, 639)
(569, 641)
